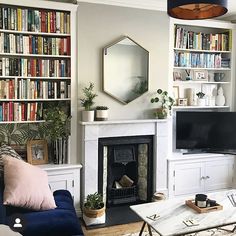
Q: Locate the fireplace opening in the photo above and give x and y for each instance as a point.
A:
(125, 170)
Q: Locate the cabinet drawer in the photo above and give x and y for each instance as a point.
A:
(63, 181)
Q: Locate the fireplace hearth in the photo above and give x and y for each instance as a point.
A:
(125, 169)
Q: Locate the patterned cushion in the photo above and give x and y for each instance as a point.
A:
(9, 151)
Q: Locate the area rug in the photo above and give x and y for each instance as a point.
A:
(210, 232)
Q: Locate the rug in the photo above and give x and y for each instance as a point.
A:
(210, 232)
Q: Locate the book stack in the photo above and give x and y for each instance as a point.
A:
(30, 44)
(21, 111)
(31, 67)
(21, 19)
(186, 39)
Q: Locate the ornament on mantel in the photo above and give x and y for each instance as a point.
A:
(220, 98)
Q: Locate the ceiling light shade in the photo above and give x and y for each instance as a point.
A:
(196, 9)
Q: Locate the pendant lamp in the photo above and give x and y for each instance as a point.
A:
(196, 9)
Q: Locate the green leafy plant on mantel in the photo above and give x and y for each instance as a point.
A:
(94, 201)
(165, 102)
(88, 101)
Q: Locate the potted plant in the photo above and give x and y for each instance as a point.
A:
(201, 99)
(56, 130)
(87, 102)
(101, 113)
(94, 210)
(165, 101)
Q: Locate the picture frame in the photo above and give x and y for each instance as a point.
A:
(177, 76)
(200, 75)
(182, 102)
(37, 152)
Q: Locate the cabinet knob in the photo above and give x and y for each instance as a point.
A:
(203, 177)
(207, 177)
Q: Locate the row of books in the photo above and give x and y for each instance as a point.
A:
(29, 44)
(186, 39)
(15, 111)
(28, 89)
(200, 60)
(21, 19)
(34, 67)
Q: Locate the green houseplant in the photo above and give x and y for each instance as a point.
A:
(201, 101)
(87, 102)
(165, 102)
(94, 209)
(102, 113)
(56, 130)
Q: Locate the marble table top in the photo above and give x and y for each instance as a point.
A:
(173, 212)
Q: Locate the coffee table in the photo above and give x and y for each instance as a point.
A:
(173, 212)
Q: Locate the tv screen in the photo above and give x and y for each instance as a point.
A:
(211, 131)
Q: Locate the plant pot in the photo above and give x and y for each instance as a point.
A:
(101, 115)
(87, 116)
(161, 113)
(201, 102)
(94, 217)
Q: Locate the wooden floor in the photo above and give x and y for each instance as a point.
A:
(113, 230)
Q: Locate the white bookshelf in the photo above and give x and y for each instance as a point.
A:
(72, 79)
(228, 84)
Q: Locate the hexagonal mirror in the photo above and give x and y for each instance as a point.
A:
(125, 70)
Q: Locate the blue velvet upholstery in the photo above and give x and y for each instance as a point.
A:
(61, 221)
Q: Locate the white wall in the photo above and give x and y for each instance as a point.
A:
(100, 25)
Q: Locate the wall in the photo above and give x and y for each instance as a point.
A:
(100, 25)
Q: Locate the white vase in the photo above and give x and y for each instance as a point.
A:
(88, 116)
(201, 102)
(220, 98)
(101, 115)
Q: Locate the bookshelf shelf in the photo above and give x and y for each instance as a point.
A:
(33, 55)
(199, 107)
(35, 100)
(22, 122)
(199, 68)
(35, 77)
(200, 50)
(34, 33)
(198, 82)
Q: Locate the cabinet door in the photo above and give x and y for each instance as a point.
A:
(188, 178)
(61, 181)
(218, 174)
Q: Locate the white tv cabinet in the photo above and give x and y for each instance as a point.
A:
(199, 173)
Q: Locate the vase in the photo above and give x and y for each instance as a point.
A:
(201, 102)
(87, 116)
(161, 113)
(101, 115)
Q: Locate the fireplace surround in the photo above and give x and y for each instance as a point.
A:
(91, 132)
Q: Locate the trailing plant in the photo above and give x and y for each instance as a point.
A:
(89, 96)
(200, 95)
(94, 201)
(102, 108)
(165, 101)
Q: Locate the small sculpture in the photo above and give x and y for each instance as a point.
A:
(220, 98)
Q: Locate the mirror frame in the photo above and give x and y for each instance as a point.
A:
(103, 65)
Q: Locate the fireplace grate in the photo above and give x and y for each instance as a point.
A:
(123, 195)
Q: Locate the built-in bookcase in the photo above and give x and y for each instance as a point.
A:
(200, 50)
(37, 61)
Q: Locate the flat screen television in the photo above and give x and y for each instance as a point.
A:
(206, 131)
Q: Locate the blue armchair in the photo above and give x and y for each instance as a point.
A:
(61, 221)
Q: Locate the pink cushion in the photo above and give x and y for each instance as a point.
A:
(26, 185)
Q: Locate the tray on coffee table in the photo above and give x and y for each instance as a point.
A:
(191, 204)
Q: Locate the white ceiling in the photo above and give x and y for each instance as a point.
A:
(160, 5)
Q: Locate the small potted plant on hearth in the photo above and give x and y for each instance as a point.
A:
(94, 210)
(87, 102)
(165, 101)
(101, 113)
(201, 101)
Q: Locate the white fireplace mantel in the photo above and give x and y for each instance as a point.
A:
(92, 131)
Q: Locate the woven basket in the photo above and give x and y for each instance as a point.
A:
(94, 213)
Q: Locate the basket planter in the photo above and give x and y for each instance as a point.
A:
(94, 217)
(87, 116)
(101, 115)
